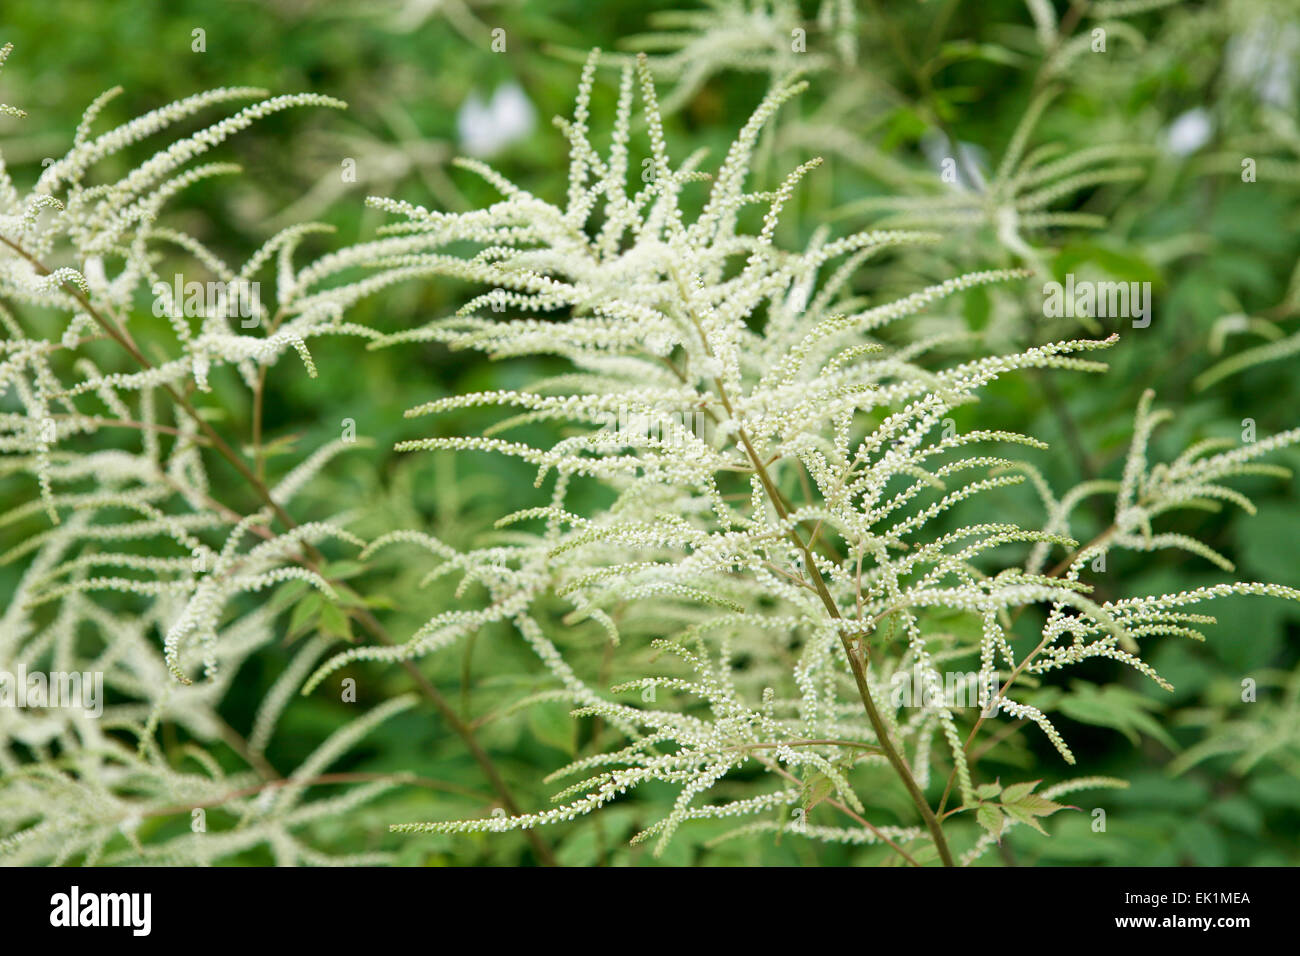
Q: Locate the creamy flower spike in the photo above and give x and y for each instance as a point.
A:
(809, 530)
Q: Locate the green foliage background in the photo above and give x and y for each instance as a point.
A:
(1211, 245)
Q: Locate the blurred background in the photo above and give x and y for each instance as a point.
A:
(1195, 88)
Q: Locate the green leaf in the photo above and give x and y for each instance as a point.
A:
(987, 791)
(1278, 790)
(1154, 789)
(1116, 707)
(1018, 791)
(991, 819)
(1125, 263)
(211, 413)
(338, 570)
(333, 622)
(1239, 813)
(1038, 806)
(552, 724)
(1017, 812)
(1202, 843)
(904, 125)
(816, 788)
(287, 595)
(304, 614)
(956, 50)
(348, 597)
(1021, 803)
(977, 305)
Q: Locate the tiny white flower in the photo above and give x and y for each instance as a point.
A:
(710, 367)
(657, 343)
(93, 270)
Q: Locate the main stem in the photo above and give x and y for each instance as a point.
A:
(855, 658)
(856, 664)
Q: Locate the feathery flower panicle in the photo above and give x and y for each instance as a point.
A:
(791, 546)
(122, 538)
(808, 529)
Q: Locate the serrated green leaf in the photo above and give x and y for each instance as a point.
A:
(990, 818)
(1018, 791)
(816, 788)
(1017, 812)
(1039, 806)
(987, 791)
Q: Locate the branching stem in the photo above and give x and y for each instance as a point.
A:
(313, 557)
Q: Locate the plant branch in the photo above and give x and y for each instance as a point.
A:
(314, 557)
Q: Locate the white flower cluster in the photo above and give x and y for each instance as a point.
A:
(828, 531)
(116, 461)
(776, 558)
